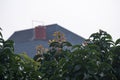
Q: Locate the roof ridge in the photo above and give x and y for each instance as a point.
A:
(24, 30)
(51, 25)
(71, 31)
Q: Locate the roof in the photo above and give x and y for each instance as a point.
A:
(24, 41)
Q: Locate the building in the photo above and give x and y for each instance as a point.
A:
(27, 40)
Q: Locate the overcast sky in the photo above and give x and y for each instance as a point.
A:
(82, 17)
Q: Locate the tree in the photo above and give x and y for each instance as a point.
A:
(16, 67)
(116, 62)
(96, 59)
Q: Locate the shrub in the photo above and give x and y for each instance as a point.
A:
(97, 59)
(16, 67)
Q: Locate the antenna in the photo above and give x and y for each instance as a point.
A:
(36, 23)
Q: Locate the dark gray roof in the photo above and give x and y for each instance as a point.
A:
(25, 42)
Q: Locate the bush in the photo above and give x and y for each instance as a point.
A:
(97, 59)
(16, 67)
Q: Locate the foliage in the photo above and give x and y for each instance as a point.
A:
(98, 58)
(59, 37)
(116, 62)
(16, 67)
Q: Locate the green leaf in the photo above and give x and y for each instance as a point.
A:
(66, 44)
(94, 35)
(54, 44)
(29, 60)
(76, 46)
(108, 36)
(117, 42)
(1, 40)
(1, 33)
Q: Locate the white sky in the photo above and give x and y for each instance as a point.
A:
(82, 17)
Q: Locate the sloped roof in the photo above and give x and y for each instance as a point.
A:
(25, 42)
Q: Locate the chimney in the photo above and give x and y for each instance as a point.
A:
(40, 32)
